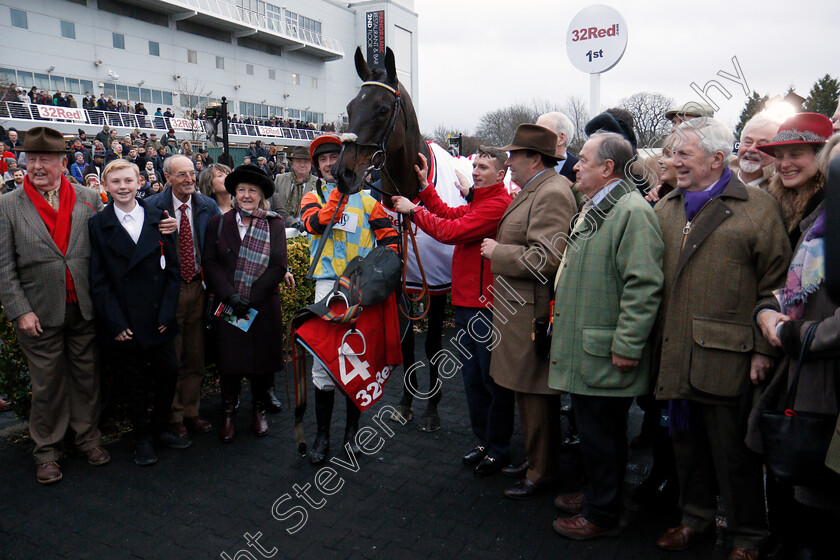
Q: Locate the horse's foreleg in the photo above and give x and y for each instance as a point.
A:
(430, 420)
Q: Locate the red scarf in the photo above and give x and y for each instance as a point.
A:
(58, 223)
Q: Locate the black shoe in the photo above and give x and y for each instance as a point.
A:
(144, 453)
(523, 490)
(571, 440)
(174, 441)
(320, 449)
(516, 471)
(491, 465)
(475, 456)
(273, 405)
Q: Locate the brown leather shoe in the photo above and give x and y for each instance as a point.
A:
(260, 423)
(740, 553)
(97, 456)
(570, 503)
(48, 472)
(198, 425)
(580, 529)
(678, 538)
(178, 429)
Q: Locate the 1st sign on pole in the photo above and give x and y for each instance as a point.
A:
(595, 42)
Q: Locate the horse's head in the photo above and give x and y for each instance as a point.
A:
(382, 132)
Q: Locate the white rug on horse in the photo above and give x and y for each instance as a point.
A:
(434, 255)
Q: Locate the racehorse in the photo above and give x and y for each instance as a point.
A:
(383, 134)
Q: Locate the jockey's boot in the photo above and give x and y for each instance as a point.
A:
(226, 429)
(323, 416)
(352, 426)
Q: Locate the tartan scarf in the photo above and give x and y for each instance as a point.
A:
(807, 271)
(254, 251)
(58, 223)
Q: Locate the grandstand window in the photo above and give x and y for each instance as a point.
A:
(145, 95)
(166, 97)
(118, 40)
(68, 30)
(296, 20)
(314, 83)
(295, 79)
(109, 89)
(192, 56)
(134, 93)
(220, 62)
(272, 74)
(73, 85)
(24, 79)
(19, 19)
(42, 81)
(86, 85)
(249, 69)
(7, 75)
(156, 96)
(154, 48)
(273, 14)
(122, 92)
(57, 83)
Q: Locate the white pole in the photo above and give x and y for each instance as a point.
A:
(594, 94)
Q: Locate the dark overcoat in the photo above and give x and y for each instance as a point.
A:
(260, 350)
(129, 288)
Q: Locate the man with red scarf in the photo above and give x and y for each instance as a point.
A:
(44, 267)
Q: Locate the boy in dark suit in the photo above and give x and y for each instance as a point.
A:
(134, 284)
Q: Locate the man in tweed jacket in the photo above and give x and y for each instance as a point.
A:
(608, 290)
(725, 251)
(44, 269)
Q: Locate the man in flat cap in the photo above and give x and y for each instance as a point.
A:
(44, 263)
(290, 187)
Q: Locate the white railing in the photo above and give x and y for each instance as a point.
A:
(49, 113)
(230, 11)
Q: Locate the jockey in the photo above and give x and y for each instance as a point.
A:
(362, 222)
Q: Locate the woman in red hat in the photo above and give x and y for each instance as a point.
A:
(798, 183)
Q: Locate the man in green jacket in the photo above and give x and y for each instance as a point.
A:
(608, 290)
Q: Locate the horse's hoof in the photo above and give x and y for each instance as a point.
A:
(429, 423)
(404, 411)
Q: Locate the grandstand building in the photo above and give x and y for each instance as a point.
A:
(291, 59)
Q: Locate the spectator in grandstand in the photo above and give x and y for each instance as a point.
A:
(198, 164)
(158, 159)
(88, 103)
(186, 149)
(15, 182)
(77, 146)
(116, 152)
(152, 144)
(168, 113)
(77, 169)
(171, 146)
(97, 165)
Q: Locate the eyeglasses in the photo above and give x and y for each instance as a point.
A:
(185, 174)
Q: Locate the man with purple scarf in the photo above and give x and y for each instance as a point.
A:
(726, 250)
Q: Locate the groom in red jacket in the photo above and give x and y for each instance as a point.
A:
(490, 406)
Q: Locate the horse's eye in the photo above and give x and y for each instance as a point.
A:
(383, 111)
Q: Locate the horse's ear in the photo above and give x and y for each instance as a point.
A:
(390, 65)
(362, 68)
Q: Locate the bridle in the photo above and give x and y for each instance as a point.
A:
(377, 163)
(377, 160)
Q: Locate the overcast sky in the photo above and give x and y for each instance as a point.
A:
(476, 56)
